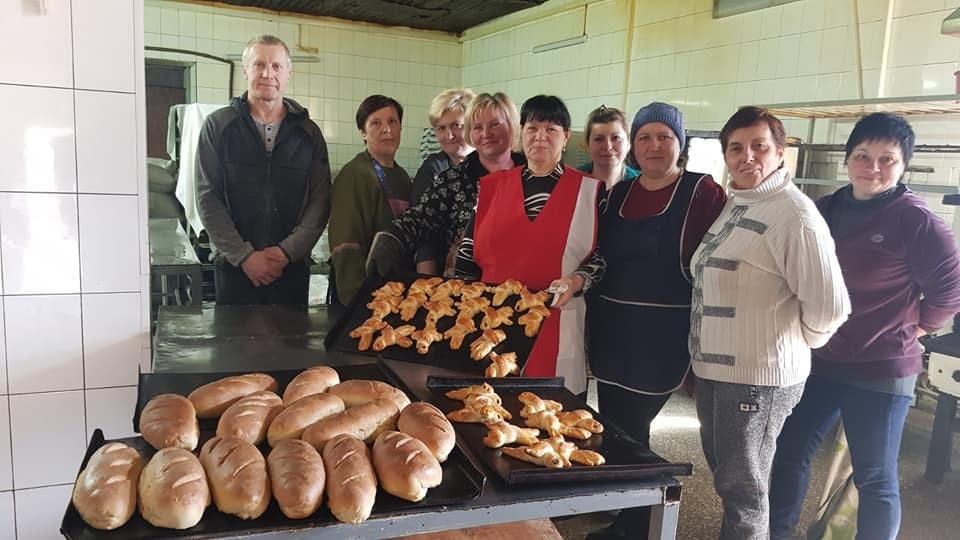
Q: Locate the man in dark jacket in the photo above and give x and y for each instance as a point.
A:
(263, 185)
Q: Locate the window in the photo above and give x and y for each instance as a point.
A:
(725, 8)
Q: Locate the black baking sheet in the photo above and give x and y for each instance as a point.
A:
(462, 481)
(440, 353)
(625, 457)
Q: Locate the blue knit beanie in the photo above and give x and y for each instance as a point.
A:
(660, 112)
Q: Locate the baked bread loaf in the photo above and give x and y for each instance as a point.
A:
(173, 489)
(405, 466)
(105, 494)
(310, 381)
(426, 423)
(250, 416)
(364, 422)
(238, 476)
(304, 412)
(170, 421)
(297, 478)
(211, 399)
(358, 391)
(351, 482)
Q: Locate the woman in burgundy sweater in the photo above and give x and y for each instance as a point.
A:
(638, 316)
(902, 271)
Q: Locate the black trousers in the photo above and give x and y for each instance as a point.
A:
(235, 288)
(633, 413)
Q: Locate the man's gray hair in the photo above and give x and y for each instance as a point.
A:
(265, 39)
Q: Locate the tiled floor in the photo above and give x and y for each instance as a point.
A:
(929, 511)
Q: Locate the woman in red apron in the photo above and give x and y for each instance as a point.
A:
(537, 223)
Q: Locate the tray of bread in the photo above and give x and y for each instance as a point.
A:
(470, 326)
(227, 454)
(533, 430)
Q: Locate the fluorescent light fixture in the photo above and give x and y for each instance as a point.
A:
(569, 42)
(296, 58)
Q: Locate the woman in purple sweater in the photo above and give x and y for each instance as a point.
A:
(902, 270)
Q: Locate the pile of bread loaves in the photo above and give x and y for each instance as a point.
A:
(318, 433)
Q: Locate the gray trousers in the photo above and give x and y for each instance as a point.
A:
(739, 425)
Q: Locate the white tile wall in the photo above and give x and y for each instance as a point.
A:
(113, 338)
(106, 143)
(72, 183)
(109, 247)
(111, 410)
(39, 237)
(39, 511)
(103, 51)
(355, 61)
(38, 151)
(8, 527)
(45, 34)
(44, 343)
(6, 463)
(48, 436)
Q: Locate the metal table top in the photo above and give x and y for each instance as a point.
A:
(242, 338)
(169, 244)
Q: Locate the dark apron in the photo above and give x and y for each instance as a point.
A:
(638, 316)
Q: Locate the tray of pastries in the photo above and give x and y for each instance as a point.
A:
(533, 430)
(470, 326)
(227, 454)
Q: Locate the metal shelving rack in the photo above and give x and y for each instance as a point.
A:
(906, 106)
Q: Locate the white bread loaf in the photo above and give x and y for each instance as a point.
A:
(428, 424)
(405, 466)
(292, 421)
(297, 477)
(311, 381)
(169, 420)
(238, 476)
(364, 422)
(173, 489)
(351, 481)
(359, 391)
(105, 494)
(249, 417)
(211, 399)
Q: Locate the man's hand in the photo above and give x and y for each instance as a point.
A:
(276, 256)
(261, 269)
(386, 253)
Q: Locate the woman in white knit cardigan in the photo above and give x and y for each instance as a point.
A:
(767, 288)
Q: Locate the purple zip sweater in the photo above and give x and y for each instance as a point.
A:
(902, 270)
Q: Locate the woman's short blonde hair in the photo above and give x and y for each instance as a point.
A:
(498, 102)
(452, 99)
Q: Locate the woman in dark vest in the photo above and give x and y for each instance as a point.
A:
(638, 316)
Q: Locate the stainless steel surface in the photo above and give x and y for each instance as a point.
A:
(238, 338)
(172, 255)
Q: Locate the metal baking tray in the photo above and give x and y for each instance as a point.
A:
(625, 457)
(440, 353)
(462, 480)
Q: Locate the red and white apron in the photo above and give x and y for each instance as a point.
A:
(507, 245)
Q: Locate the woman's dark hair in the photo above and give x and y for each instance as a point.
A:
(545, 109)
(604, 115)
(883, 126)
(375, 103)
(749, 116)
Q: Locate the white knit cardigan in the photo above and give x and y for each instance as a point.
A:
(767, 288)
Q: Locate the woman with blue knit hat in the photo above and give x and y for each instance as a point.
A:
(639, 314)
